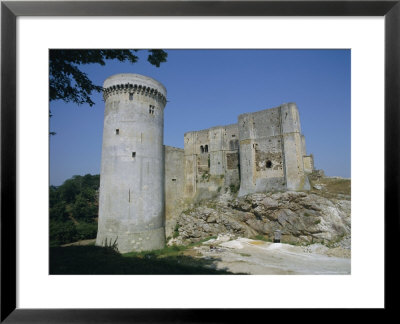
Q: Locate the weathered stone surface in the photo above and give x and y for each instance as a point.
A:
(263, 151)
(131, 200)
(302, 218)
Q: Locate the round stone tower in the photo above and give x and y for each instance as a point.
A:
(131, 202)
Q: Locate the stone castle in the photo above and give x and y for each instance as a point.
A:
(143, 183)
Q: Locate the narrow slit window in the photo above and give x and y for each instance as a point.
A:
(174, 180)
(131, 96)
(117, 131)
(206, 149)
(133, 154)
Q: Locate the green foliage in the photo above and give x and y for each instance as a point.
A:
(205, 176)
(83, 208)
(85, 231)
(73, 209)
(234, 188)
(70, 84)
(176, 231)
(78, 196)
(110, 245)
(172, 250)
(62, 233)
(68, 232)
(58, 211)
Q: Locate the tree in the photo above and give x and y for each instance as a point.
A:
(70, 84)
(73, 209)
(83, 209)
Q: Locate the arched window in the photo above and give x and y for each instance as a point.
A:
(201, 149)
(206, 149)
(269, 164)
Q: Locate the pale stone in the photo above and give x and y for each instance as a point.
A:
(132, 164)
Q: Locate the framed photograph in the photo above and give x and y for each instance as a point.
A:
(368, 32)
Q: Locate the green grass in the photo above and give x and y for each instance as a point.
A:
(331, 187)
(176, 231)
(261, 238)
(100, 260)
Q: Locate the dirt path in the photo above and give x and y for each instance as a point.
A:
(258, 257)
(83, 242)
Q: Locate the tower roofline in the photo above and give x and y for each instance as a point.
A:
(134, 83)
(290, 104)
(132, 79)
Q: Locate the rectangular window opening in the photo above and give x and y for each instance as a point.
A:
(117, 131)
(131, 96)
(133, 154)
(173, 179)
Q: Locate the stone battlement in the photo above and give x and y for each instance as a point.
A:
(134, 84)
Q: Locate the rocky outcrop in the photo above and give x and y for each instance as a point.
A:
(302, 218)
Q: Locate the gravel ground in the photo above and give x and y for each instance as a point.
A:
(244, 255)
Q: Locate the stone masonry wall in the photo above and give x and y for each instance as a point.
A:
(174, 183)
(211, 160)
(264, 151)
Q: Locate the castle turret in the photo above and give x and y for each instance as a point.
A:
(131, 203)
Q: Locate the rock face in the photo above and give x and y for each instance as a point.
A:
(302, 218)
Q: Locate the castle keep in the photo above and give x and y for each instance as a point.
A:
(264, 151)
(144, 183)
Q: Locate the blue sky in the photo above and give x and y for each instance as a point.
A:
(207, 88)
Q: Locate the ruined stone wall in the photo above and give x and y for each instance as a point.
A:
(271, 150)
(174, 183)
(211, 161)
(308, 162)
(264, 151)
(231, 159)
(261, 151)
(293, 148)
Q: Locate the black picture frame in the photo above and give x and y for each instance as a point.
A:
(10, 10)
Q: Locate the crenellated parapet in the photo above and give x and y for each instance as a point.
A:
(137, 89)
